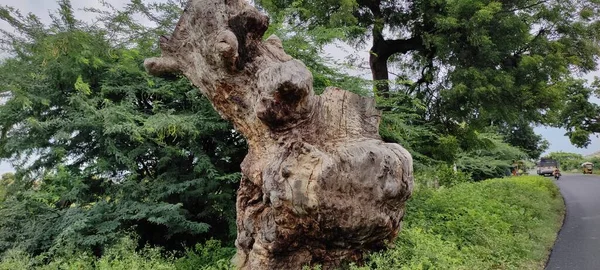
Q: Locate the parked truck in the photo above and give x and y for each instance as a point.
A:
(546, 166)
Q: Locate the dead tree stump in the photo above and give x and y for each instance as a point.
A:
(319, 186)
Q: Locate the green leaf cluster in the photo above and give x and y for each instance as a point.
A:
(125, 255)
(491, 161)
(503, 64)
(102, 148)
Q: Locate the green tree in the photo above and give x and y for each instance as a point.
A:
(579, 116)
(101, 147)
(483, 62)
(524, 137)
(491, 158)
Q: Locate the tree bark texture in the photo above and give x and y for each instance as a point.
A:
(319, 186)
(379, 70)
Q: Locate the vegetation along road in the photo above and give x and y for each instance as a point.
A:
(578, 242)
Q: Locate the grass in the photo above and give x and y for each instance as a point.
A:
(508, 223)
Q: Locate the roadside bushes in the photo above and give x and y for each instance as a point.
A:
(125, 256)
(506, 223)
(210, 256)
(121, 256)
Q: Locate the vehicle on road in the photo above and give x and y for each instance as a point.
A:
(556, 174)
(587, 167)
(546, 166)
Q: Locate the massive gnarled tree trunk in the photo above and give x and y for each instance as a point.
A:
(319, 186)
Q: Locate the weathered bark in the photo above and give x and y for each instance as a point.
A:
(318, 185)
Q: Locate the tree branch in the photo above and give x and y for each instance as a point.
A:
(404, 45)
(525, 7)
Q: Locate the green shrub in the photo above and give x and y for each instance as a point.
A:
(122, 256)
(505, 223)
(210, 256)
(495, 224)
(15, 259)
(440, 176)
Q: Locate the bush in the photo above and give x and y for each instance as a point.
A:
(501, 223)
(505, 223)
(122, 256)
(210, 256)
(440, 176)
(15, 259)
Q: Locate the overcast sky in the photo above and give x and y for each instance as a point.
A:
(558, 142)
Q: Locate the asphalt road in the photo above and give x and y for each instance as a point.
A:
(578, 244)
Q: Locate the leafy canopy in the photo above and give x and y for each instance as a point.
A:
(100, 146)
(482, 62)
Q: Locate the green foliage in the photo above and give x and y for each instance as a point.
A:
(482, 155)
(523, 136)
(28, 222)
(439, 176)
(567, 161)
(6, 180)
(493, 160)
(125, 255)
(579, 116)
(499, 223)
(483, 63)
(210, 256)
(401, 123)
(122, 256)
(101, 147)
(15, 260)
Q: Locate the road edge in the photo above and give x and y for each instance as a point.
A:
(561, 221)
